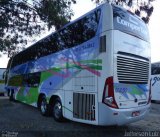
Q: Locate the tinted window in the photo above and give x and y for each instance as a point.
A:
(72, 35)
(80, 31)
(129, 23)
(16, 81)
(155, 69)
(31, 79)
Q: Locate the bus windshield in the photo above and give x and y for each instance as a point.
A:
(129, 23)
(155, 68)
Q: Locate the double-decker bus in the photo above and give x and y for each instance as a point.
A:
(94, 70)
(155, 81)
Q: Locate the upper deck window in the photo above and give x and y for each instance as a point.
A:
(70, 36)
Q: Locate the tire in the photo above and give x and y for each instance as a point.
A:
(57, 110)
(43, 106)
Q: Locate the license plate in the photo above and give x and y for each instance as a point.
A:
(135, 114)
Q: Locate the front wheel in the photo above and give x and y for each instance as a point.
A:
(57, 110)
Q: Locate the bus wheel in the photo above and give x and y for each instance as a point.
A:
(43, 106)
(57, 110)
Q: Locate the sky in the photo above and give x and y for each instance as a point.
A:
(84, 6)
(154, 29)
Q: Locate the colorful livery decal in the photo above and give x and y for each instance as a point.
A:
(136, 90)
(52, 79)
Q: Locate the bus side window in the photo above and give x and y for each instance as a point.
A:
(155, 70)
(31, 79)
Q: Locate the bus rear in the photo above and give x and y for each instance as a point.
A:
(126, 93)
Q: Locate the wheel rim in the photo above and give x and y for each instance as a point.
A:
(57, 110)
(43, 106)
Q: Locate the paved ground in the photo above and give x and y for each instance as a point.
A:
(17, 119)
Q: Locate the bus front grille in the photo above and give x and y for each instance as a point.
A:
(84, 106)
(132, 71)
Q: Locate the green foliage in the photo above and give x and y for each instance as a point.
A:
(20, 19)
(142, 8)
(54, 12)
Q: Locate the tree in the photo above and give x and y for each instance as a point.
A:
(20, 19)
(142, 8)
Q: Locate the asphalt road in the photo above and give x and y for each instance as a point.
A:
(20, 120)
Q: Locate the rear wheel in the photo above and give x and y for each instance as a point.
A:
(57, 110)
(43, 106)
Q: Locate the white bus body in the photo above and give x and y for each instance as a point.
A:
(155, 81)
(99, 72)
